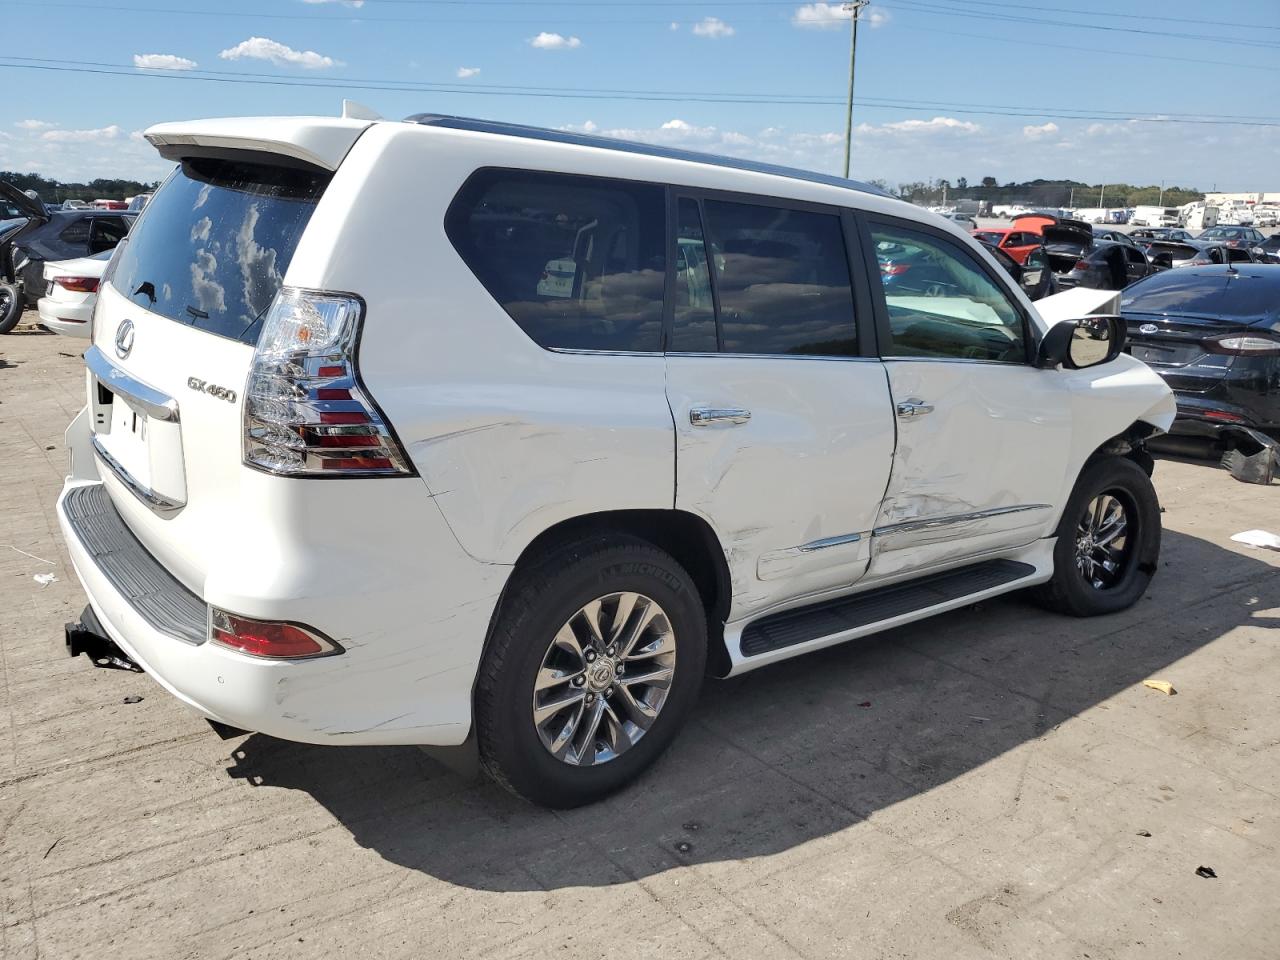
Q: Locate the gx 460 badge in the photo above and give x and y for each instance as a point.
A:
(212, 389)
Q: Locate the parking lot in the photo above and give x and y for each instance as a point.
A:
(995, 784)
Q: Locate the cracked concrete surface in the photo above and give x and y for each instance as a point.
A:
(973, 786)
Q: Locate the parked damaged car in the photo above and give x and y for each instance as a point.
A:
(1079, 259)
(1032, 275)
(38, 237)
(1213, 333)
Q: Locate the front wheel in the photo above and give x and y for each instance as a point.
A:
(1108, 541)
(10, 306)
(596, 659)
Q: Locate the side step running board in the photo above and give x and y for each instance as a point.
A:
(849, 613)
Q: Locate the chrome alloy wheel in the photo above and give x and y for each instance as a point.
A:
(604, 679)
(1102, 542)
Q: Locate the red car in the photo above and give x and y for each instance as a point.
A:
(1017, 241)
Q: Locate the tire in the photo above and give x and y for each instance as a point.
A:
(529, 645)
(10, 307)
(1082, 586)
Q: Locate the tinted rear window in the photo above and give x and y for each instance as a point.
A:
(578, 262)
(1196, 292)
(212, 247)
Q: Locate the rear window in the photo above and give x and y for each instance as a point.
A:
(1196, 292)
(213, 245)
(990, 236)
(578, 262)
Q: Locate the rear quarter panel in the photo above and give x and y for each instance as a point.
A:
(509, 438)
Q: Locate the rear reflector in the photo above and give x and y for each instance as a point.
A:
(78, 284)
(306, 414)
(271, 639)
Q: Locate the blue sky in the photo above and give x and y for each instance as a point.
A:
(960, 87)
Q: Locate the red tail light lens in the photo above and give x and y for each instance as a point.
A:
(1262, 343)
(272, 639)
(78, 284)
(306, 414)
(1083, 265)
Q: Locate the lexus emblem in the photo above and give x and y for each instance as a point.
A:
(124, 339)
(1148, 328)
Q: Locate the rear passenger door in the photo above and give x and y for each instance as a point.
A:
(784, 430)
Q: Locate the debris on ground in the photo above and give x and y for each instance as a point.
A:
(1164, 686)
(132, 698)
(1258, 538)
(1144, 833)
(684, 846)
(1206, 872)
(44, 579)
(31, 555)
(865, 703)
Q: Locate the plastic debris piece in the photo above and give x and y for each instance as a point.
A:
(684, 846)
(1206, 872)
(31, 555)
(132, 698)
(1144, 833)
(1258, 538)
(44, 579)
(865, 703)
(1164, 686)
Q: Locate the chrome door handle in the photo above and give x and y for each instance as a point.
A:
(912, 407)
(701, 416)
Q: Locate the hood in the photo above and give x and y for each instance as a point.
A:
(33, 209)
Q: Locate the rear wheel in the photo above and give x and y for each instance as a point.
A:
(10, 307)
(1108, 541)
(596, 659)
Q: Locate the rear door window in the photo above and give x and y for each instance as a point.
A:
(781, 279)
(578, 263)
(214, 243)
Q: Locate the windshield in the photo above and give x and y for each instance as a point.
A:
(990, 236)
(212, 247)
(1222, 233)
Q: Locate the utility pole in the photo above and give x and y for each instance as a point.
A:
(1161, 203)
(1102, 192)
(853, 9)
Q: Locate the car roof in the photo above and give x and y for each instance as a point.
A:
(522, 131)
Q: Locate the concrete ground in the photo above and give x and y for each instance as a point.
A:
(997, 783)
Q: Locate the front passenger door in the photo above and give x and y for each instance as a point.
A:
(983, 435)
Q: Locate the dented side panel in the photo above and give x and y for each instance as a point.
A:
(788, 490)
(981, 471)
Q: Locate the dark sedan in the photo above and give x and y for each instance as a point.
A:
(1213, 333)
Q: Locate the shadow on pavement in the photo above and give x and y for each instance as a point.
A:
(790, 753)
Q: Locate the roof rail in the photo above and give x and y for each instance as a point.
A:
(629, 146)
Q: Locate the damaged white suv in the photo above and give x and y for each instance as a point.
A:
(444, 431)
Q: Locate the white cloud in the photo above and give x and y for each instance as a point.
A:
(826, 16)
(346, 3)
(554, 41)
(712, 27)
(822, 16)
(81, 136)
(674, 26)
(34, 124)
(260, 48)
(1034, 132)
(936, 125)
(465, 72)
(162, 61)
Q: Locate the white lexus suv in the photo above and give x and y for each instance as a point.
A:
(450, 432)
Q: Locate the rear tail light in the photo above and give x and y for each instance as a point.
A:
(894, 269)
(306, 413)
(272, 639)
(1082, 265)
(1259, 344)
(78, 284)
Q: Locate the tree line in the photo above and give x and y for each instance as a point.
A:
(55, 191)
(1042, 193)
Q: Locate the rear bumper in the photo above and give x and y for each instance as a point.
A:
(69, 319)
(406, 676)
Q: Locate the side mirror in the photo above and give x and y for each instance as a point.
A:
(1087, 342)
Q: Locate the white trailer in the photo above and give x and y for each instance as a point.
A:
(1201, 217)
(1155, 217)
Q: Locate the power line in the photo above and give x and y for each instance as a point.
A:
(408, 87)
(918, 6)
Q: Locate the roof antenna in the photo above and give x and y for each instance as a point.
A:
(358, 111)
